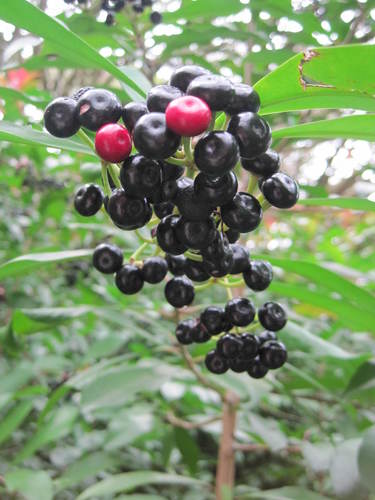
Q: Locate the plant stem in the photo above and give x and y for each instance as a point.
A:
(193, 256)
(138, 252)
(204, 286)
(212, 122)
(143, 238)
(176, 161)
(187, 148)
(114, 174)
(107, 187)
(226, 283)
(263, 202)
(252, 184)
(85, 138)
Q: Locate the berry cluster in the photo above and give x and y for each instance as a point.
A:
(111, 7)
(238, 351)
(208, 127)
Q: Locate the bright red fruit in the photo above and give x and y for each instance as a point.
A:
(188, 116)
(113, 143)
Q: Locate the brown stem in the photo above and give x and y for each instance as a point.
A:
(225, 471)
(185, 424)
(252, 447)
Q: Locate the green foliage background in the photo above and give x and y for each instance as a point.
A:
(91, 381)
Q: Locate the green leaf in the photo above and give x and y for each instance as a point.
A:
(347, 127)
(344, 468)
(349, 203)
(31, 484)
(88, 466)
(9, 94)
(363, 380)
(28, 263)
(131, 480)
(330, 280)
(56, 427)
(284, 493)
(202, 9)
(26, 16)
(323, 77)
(28, 321)
(188, 448)
(140, 497)
(20, 134)
(14, 419)
(366, 456)
(349, 315)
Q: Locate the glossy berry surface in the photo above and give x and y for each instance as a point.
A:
(259, 275)
(88, 199)
(196, 234)
(273, 354)
(280, 190)
(196, 271)
(160, 96)
(215, 363)
(188, 116)
(167, 237)
(107, 258)
(250, 345)
(257, 369)
(61, 118)
(253, 134)
(239, 364)
(128, 212)
(212, 319)
(232, 235)
(179, 291)
(140, 176)
(216, 153)
(241, 259)
(132, 112)
(264, 165)
(184, 331)
(97, 107)
(266, 336)
(240, 311)
(176, 264)
(218, 249)
(113, 143)
(163, 209)
(129, 279)
(182, 77)
(154, 269)
(243, 213)
(170, 171)
(153, 139)
(200, 334)
(79, 93)
(156, 17)
(244, 98)
(216, 91)
(217, 191)
(272, 316)
(229, 346)
(190, 205)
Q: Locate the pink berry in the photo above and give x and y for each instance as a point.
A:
(188, 116)
(113, 143)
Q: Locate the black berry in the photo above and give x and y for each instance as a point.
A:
(61, 118)
(167, 236)
(196, 271)
(252, 133)
(229, 346)
(179, 291)
(176, 264)
(266, 336)
(240, 311)
(107, 258)
(258, 275)
(184, 331)
(163, 209)
(153, 139)
(140, 176)
(212, 319)
(132, 112)
(217, 191)
(272, 316)
(280, 190)
(264, 165)
(241, 259)
(200, 334)
(243, 213)
(196, 234)
(97, 107)
(88, 199)
(245, 98)
(182, 77)
(273, 354)
(190, 205)
(257, 369)
(129, 279)
(216, 363)
(250, 345)
(154, 269)
(216, 153)
(216, 91)
(160, 96)
(156, 17)
(128, 212)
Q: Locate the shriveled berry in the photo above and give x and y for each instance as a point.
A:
(272, 316)
(243, 213)
(245, 98)
(258, 275)
(88, 199)
(61, 118)
(183, 76)
(212, 319)
(97, 107)
(229, 346)
(160, 96)
(217, 191)
(132, 112)
(264, 165)
(129, 279)
(153, 139)
(273, 354)
(113, 143)
(154, 269)
(216, 153)
(140, 176)
(215, 363)
(188, 116)
(107, 258)
(179, 291)
(280, 190)
(216, 91)
(240, 311)
(252, 133)
(257, 369)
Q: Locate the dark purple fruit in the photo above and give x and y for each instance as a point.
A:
(272, 316)
(215, 363)
(266, 336)
(229, 346)
(160, 96)
(107, 258)
(258, 275)
(179, 291)
(129, 279)
(218, 191)
(184, 331)
(280, 190)
(97, 107)
(196, 271)
(212, 319)
(264, 165)
(132, 112)
(240, 311)
(257, 369)
(167, 236)
(200, 334)
(190, 206)
(88, 199)
(243, 213)
(273, 354)
(216, 153)
(253, 134)
(196, 234)
(245, 98)
(154, 269)
(128, 212)
(61, 118)
(140, 176)
(215, 90)
(163, 209)
(241, 259)
(182, 77)
(176, 264)
(250, 345)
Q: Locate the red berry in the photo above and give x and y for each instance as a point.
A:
(113, 143)
(188, 116)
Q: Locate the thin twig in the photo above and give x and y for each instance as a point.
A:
(185, 424)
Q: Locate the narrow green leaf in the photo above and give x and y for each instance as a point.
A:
(14, 419)
(27, 263)
(9, 94)
(31, 484)
(323, 77)
(344, 468)
(284, 493)
(347, 127)
(366, 456)
(25, 15)
(329, 279)
(131, 480)
(188, 448)
(20, 134)
(349, 203)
